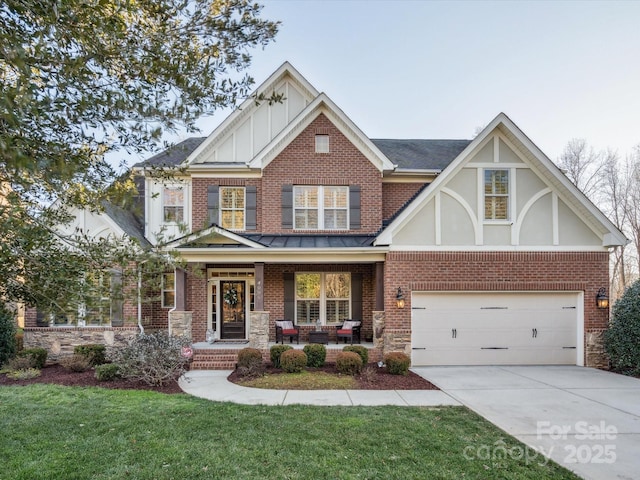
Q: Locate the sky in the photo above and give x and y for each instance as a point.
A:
(436, 69)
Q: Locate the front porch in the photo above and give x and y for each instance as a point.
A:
(224, 355)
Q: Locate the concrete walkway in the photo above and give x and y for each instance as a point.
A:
(585, 419)
(213, 385)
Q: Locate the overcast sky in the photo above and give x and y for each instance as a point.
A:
(427, 69)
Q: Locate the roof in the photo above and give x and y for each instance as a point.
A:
(128, 222)
(174, 155)
(421, 154)
(313, 241)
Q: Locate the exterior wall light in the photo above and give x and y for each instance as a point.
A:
(400, 298)
(602, 300)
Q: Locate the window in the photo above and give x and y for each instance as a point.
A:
(323, 296)
(98, 308)
(232, 203)
(173, 205)
(496, 194)
(321, 208)
(322, 143)
(168, 290)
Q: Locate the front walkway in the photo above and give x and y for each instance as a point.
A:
(213, 385)
(585, 419)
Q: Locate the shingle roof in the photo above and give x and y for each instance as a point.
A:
(421, 154)
(174, 155)
(128, 222)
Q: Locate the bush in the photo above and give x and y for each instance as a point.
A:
(622, 340)
(107, 372)
(19, 341)
(7, 334)
(39, 356)
(20, 363)
(76, 363)
(250, 362)
(276, 351)
(24, 374)
(155, 359)
(316, 354)
(348, 363)
(293, 361)
(94, 352)
(360, 350)
(397, 363)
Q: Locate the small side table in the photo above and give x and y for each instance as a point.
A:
(318, 337)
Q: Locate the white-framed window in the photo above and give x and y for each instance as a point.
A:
(232, 208)
(173, 204)
(322, 143)
(168, 290)
(321, 207)
(323, 296)
(496, 194)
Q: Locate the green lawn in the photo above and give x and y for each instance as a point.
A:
(53, 432)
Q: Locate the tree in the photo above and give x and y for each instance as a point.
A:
(80, 79)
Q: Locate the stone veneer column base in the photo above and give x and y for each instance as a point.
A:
(595, 354)
(180, 323)
(396, 340)
(378, 328)
(259, 330)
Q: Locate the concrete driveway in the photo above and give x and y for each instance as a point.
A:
(585, 419)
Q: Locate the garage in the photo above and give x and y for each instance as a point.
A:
(496, 328)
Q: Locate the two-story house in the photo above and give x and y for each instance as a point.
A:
(454, 251)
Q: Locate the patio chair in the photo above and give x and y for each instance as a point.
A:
(286, 328)
(349, 329)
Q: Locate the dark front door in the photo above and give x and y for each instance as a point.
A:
(233, 309)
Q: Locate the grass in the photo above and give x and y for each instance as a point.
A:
(91, 433)
(304, 380)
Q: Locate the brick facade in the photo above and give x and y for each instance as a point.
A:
(396, 195)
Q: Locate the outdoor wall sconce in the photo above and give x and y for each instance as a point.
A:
(602, 300)
(400, 298)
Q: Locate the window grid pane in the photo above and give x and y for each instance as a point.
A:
(232, 203)
(496, 189)
(173, 205)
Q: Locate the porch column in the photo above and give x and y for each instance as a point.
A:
(181, 290)
(259, 293)
(379, 286)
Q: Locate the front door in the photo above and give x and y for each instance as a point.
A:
(233, 308)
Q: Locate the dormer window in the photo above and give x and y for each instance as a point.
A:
(322, 143)
(173, 205)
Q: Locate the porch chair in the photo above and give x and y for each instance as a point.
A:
(350, 329)
(286, 328)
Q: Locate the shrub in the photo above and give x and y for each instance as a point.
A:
(20, 363)
(276, 351)
(7, 334)
(107, 372)
(293, 361)
(250, 362)
(397, 363)
(155, 359)
(348, 363)
(19, 341)
(39, 356)
(622, 340)
(94, 352)
(360, 350)
(24, 374)
(76, 363)
(316, 354)
(369, 374)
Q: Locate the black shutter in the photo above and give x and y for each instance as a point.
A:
(287, 206)
(356, 296)
(251, 206)
(289, 296)
(213, 204)
(354, 207)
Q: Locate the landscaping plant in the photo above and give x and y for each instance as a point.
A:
(293, 361)
(316, 354)
(75, 363)
(360, 350)
(622, 340)
(397, 363)
(276, 351)
(250, 362)
(39, 356)
(96, 353)
(107, 372)
(348, 363)
(7, 334)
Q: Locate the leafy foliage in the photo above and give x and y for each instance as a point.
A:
(38, 356)
(7, 334)
(24, 374)
(360, 350)
(348, 363)
(107, 372)
(316, 354)
(76, 362)
(20, 363)
(293, 361)
(155, 359)
(397, 363)
(250, 362)
(622, 340)
(95, 353)
(276, 351)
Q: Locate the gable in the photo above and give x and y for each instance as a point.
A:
(544, 210)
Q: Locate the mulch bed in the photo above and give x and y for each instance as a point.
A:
(380, 381)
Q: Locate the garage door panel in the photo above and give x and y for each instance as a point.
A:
(494, 328)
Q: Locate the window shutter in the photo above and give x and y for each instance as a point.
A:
(251, 207)
(117, 301)
(213, 204)
(354, 207)
(289, 296)
(287, 206)
(356, 296)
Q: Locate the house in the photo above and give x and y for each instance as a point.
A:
(457, 252)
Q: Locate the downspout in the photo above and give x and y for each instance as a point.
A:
(140, 300)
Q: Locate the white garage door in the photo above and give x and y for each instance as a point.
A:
(488, 328)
